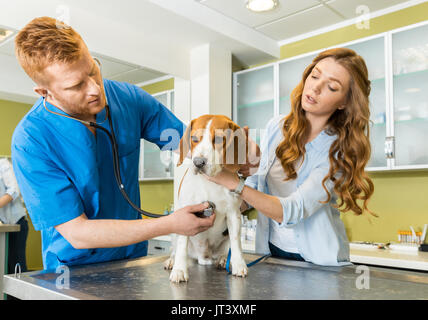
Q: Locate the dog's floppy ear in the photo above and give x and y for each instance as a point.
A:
(236, 145)
(185, 144)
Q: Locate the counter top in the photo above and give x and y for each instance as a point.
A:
(391, 258)
(272, 279)
(379, 257)
(9, 228)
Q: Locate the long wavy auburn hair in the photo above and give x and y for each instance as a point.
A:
(351, 151)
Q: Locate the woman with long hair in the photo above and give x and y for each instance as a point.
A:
(312, 164)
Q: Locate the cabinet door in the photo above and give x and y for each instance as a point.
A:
(373, 53)
(156, 164)
(255, 99)
(410, 98)
(290, 75)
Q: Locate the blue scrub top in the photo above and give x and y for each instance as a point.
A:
(63, 170)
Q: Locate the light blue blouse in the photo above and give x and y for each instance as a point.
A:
(319, 232)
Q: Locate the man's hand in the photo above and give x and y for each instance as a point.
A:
(186, 223)
(253, 157)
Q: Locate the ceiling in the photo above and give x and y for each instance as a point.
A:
(150, 39)
(112, 68)
(294, 18)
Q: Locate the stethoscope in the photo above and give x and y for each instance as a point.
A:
(116, 163)
(115, 151)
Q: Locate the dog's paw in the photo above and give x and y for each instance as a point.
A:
(178, 275)
(221, 262)
(168, 264)
(239, 269)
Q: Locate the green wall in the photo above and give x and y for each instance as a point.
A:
(10, 115)
(157, 195)
(400, 198)
(378, 25)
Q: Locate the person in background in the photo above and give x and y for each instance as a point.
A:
(312, 164)
(12, 211)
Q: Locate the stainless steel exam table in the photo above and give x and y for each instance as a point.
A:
(271, 279)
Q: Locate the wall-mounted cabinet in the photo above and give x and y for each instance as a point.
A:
(154, 163)
(255, 97)
(398, 70)
(409, 99)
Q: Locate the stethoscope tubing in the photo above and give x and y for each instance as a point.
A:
(115, 152)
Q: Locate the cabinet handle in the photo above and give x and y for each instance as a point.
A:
(390, 147)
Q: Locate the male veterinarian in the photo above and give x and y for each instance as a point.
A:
(65, 168)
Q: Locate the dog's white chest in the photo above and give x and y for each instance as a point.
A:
(197, 189)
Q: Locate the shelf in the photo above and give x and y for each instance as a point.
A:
(379, 124)
(155, 179)
(410, 74)
(378, 80)
(412, 120)
(390, 258)
(255, 104)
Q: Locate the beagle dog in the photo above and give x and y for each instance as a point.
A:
(215, 143)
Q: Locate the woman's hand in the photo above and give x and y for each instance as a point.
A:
(5, 200)
(269, 205)
(226, 179)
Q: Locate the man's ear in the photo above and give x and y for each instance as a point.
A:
(185, 144)
(41, 91)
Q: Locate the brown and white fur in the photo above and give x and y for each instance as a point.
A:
(215, 143)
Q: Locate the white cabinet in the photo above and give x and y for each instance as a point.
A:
(398, 70)
(254, 92)
(290, 75)
(156, 164)
(374, 54)
(410, 96)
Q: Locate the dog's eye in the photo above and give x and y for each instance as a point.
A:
(218, 140)
(195, 139)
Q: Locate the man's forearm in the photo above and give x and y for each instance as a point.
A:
(89, 234)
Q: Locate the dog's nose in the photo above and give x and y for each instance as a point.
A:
(199, 162)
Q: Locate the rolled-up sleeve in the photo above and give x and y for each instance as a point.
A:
(307, 199)
(252, 181)
(9, 180)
